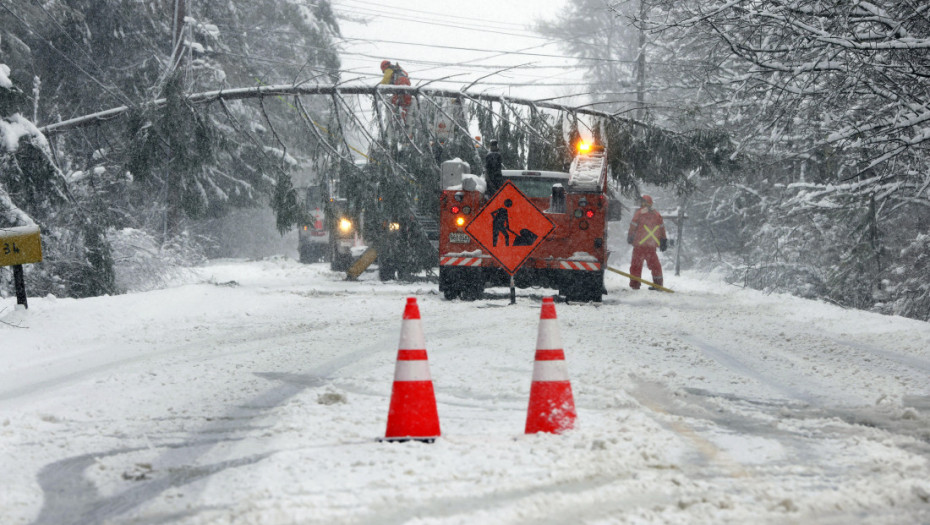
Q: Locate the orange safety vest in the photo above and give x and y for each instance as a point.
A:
(647, 228)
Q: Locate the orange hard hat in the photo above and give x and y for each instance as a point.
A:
(385, 64)
(646, 199)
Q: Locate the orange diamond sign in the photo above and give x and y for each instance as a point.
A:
(510, 227)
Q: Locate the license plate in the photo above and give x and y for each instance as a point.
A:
(459, 238)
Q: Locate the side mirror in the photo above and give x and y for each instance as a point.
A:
(557, 200)
(614, 210)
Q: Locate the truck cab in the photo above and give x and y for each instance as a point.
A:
(312, 234)
(345, 234)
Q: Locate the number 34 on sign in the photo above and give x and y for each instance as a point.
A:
(20, 245)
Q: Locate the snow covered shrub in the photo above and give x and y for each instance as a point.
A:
(33, 191)
(907, 281)
(141, 263)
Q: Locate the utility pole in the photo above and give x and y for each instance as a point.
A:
(875, 243)
(680, 222)
(177, 32)
(641, 64)
(173, 176)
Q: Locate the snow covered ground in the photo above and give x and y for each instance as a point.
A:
(254, 393)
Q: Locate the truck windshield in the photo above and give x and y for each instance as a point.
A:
(314, 196)
(536, 188)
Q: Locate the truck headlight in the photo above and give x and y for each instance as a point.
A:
(345, 225)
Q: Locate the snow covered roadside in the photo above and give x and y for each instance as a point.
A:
(254, 394)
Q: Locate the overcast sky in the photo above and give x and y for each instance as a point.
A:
(464, 40)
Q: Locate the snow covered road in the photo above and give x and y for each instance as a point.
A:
(255, 394)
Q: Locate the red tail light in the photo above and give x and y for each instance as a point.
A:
(455, 209)
(589, 214)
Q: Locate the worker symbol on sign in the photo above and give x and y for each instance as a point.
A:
(493, 229)
(500, 225)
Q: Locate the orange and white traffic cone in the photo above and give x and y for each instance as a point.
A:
(552, 407)
(412, 414)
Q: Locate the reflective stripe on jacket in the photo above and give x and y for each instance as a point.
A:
(647, 228)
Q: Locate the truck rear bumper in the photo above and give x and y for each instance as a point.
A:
(465, 260)
(477, 260)
(575, 264)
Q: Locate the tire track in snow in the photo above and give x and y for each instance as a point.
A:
(499, 504)
(69, 498)
(734, 363)
(788, 435)
(895, 357)
(190, 351)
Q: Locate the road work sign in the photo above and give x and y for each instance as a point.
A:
(509, 227)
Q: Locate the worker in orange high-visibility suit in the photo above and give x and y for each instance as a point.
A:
(394, 75)
(647, 232)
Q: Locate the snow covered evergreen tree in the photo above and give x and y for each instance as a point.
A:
(181, 163)
(33, 191)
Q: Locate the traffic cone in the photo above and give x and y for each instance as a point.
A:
(552, 407)
(412, 414)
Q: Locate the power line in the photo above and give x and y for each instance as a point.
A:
(456, 26)
(378, 76)
(481, 50)
(527, 33)
(431, 65)
(448, 66)
(441, 16)
(543, 55)
(438, 46)
(684, 64)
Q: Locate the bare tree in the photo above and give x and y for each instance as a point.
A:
(833, 100)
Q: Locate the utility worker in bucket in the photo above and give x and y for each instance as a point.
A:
(394, 75)
(647, 232)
